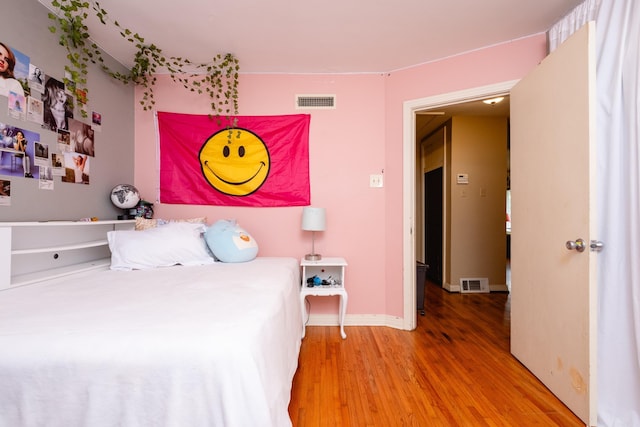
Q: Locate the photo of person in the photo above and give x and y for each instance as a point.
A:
(35, 110)
(8, 81)
(64, 141)
(41, 153)
(76, 168)
(36, 78)
(57, 164)
(17, 106)
(5, 192)
(35, 74)
(57, 160)
(96, 121)
(57, 105)
(96, 118)
(5, 188)
(20, 144)
(79, 162)
(82, 137)
(18, 154)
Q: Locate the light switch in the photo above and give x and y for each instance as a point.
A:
(375, 181)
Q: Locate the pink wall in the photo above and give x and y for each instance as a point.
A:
(501, 63)
(362, 136)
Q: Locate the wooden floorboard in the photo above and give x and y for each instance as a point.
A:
(455, 369)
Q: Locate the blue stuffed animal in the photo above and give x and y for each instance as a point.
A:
(229, 242)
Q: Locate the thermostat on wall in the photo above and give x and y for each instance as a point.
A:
(462, 178)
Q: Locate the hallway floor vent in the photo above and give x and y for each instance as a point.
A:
(474, 285)
(316, 102)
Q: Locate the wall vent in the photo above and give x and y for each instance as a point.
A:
(315, 102)
(474, 285)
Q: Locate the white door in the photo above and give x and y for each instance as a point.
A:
(553, 291)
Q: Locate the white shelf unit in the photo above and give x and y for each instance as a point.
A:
(325, 269)
(32, 252)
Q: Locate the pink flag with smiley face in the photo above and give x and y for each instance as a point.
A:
(259, 161)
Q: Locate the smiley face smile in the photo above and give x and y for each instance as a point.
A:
(262, 164)
(235, 162)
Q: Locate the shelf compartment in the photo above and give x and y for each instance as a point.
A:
(84, 245)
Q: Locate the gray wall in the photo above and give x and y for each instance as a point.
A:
(25, 28)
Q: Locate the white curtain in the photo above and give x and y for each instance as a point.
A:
(618, 169)
(617, 74)
(568, 25)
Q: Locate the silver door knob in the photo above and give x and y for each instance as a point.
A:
(578, 244)
(596, 245)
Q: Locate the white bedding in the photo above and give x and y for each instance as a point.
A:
(213, 345)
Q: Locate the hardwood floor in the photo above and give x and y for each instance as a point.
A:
(455, 369)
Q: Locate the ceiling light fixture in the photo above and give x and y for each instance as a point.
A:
(493, 101)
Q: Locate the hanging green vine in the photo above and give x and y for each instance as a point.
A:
(217, 79)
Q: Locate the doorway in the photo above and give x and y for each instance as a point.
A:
(433, 208)
(410, 109)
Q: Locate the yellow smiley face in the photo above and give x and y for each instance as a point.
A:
(235, 163)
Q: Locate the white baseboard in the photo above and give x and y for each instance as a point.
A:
(356, 320)
(493, 288)
(451, 288)
(379, 319)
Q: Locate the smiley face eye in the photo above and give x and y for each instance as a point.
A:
(241, 151)
(226, 151)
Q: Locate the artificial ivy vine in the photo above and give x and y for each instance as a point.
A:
(218, 78)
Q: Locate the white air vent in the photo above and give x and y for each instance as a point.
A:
(474, 285)
(316, 102)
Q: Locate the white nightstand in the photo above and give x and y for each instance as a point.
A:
(331, 270)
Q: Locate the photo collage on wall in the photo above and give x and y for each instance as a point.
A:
(46, 104)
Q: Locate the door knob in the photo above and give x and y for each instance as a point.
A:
(596, 245)
(578, 244)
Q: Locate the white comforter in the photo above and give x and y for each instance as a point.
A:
(180, 346)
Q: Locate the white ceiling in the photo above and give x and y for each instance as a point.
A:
(328, 36)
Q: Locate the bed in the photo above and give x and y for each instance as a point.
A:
(183, 346)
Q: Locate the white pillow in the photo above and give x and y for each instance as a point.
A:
(171, 244)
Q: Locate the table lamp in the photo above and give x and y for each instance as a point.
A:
(313, 219)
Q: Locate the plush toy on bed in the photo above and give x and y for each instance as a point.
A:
(229, 242)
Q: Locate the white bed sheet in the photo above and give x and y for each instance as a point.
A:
(212, 345)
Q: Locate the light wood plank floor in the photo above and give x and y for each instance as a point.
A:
(455, 369)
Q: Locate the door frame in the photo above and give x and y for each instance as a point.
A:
(409, 110)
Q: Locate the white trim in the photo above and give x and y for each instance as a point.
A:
(356, 320)
(493, 288)
(451, 288)
(498, 288)
(409, 109)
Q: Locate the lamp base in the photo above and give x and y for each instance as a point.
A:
(313, 257)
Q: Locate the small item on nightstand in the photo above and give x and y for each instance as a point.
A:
(313, 281)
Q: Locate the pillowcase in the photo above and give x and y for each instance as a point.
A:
(229, 242)
(145, 224)
(173, 243)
